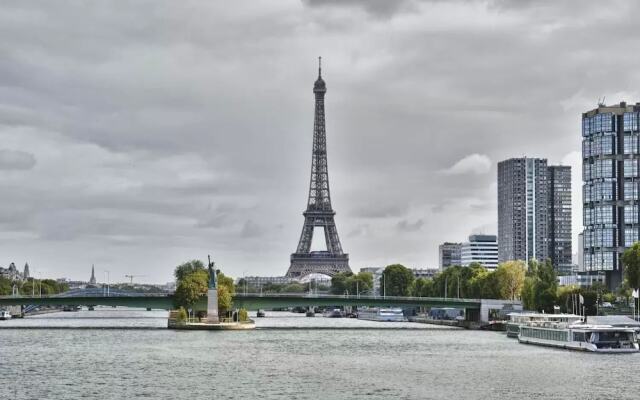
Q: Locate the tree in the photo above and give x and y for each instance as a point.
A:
(422, 287)
(340, 282)
(510, 277)
(631, 262)
(397, 280)
(187, 268)
(225, 300)
(191, 288)
(546, 287)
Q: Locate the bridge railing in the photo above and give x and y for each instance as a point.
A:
(62, 295)
(353, 297)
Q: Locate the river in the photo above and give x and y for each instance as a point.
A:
(61, 359)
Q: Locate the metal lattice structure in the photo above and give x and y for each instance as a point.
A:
(319, 212)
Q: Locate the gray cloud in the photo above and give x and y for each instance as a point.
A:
(184, 132)
(15, 159)
(406, 226)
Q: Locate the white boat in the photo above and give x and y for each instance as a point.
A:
(580, 336)
(4, 315)
(381, 314)
(518, 319)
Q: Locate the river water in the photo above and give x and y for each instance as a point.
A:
(54, 356)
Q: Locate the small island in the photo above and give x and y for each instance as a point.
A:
(193, 312)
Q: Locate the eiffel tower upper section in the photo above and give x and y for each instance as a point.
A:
(319, 212)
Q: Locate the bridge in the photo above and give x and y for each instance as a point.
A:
(475, 309)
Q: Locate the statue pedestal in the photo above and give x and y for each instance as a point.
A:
(212, 306)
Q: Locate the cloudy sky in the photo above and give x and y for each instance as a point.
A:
(136, 135)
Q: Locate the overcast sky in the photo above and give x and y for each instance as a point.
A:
(136, 135)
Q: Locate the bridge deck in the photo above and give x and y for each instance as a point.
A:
(248, 301)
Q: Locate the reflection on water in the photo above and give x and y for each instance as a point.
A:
(423, 363)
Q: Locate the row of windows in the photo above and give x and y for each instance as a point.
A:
(598, 215)
(598, 145)
(546, 334)
(598, 191)
(630, 121)
(598, 169)
(599, 123)
(602, 261)
(599, 237)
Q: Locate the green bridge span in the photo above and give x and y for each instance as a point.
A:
(248, 301)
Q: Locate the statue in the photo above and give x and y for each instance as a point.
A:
(213, 279)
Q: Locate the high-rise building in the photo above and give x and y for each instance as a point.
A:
(560, 249)
(449, 254)
(610, 157)
(481, 249)
(523, 196)
(26, 274)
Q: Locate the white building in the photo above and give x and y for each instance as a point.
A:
(481, 249)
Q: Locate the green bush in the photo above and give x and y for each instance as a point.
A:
(243, 315)
(182, 315)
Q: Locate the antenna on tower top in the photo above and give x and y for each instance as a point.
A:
(320, 66)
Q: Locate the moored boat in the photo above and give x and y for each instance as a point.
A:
(580, 336)
(518, 319)
(4, 315)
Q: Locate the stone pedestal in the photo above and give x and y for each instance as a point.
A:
(212, 306)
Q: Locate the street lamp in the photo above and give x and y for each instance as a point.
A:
(107, 281)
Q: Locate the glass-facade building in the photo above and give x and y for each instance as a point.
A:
(523, 206)
(610, 155)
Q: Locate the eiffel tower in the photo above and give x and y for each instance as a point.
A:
(319, 212)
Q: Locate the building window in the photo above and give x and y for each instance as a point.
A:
(630, 144)
(604, 215)
(630, 168)
(630, 121)
(630, 236)
(631, 214)
(631, 190)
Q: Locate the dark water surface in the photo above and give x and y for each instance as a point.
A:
(422, 363)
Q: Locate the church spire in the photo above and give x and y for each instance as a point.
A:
(92, 281)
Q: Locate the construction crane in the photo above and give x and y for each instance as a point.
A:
(133, 276)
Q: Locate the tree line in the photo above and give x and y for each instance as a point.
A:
(32, 286)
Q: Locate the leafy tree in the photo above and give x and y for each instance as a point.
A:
(546, 287)
(631, 262)
(397, 280)
(191, 288)
(293, 287)
(5, 286)
(243, 315)
(225, 300)
(340, 282)
(422, 287)
(510, 276)
(187, 268)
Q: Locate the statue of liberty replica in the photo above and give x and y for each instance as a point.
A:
(212, 295)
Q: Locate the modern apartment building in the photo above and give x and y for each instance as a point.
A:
(534, 212)
(610, 199)
(449, 254)
(523, 196)
(482, 249)
(560, 248)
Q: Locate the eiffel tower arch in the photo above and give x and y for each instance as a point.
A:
(319, 212)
